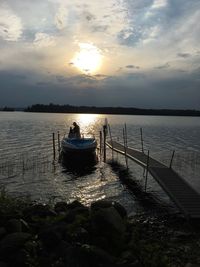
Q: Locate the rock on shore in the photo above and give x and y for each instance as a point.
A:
(98, 236)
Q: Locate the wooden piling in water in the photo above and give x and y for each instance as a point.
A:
(125, 132)
(54, 149)
(125, 148)
(111, 140)
(100, 145)
(170, 165)
(104, 142)
(141, 138)
(147, 170)
(59, 142)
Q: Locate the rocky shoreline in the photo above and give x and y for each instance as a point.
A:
(102, 235)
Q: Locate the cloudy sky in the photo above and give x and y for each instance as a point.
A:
(139, 53)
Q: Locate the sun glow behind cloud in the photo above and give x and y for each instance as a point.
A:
(88, 59)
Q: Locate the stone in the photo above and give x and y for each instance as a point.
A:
(192, 265)
(107, 217)
(72, 214)
(62, 248)
(99, 254)
(25, 226)
(3, 264)
(181, 235)
(13, 226)
(81, 235)
(108, 229)
(107, 204)
(38, 210)
(12, 242)
(101, 204)
(128, 256)
(50, 237)
(61, 207)
(19, 258)
(87, 256)
(120, 209)
(75, 204)
(2, 232)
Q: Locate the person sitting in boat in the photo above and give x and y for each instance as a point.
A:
(76, 130)
(70, 134)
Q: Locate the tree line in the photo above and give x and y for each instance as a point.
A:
(55, 108)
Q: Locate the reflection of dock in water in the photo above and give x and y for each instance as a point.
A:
(79, 164)
(180, 192)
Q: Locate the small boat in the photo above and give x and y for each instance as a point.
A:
(79, 146)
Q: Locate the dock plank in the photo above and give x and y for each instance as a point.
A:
(180, 192)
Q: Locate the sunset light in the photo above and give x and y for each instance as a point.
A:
(139, 53)
(86, 119)
(100, 127)
(88, 59)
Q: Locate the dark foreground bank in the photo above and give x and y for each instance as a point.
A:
(102, 235)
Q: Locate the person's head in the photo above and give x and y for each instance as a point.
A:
(74, 123)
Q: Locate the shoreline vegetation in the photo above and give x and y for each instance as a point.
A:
(54, 108)
(102, 235)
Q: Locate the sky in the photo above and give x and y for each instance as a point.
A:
(130, 53)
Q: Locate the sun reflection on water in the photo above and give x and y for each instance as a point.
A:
(87, 122)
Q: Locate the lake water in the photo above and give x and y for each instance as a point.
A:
(26, 157)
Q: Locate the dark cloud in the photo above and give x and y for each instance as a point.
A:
(132, 89)
(165, 66)
(135, 76)
(196, 73)
(88, 16)
(130, 37)
(61, 79)
(10, 76)
(81, 80)
(43, 83)
(101, 76)
(132, 67)
(100, 28)
(184, 55)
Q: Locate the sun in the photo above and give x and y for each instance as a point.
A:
(88, 59)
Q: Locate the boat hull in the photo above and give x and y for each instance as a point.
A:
(78, 164)
(82, 146)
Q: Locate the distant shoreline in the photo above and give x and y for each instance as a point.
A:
(110, 110)
(52, 108)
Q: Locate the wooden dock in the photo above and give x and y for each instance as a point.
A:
(180, 192)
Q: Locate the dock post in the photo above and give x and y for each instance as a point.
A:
(54, 150)
(145, 187)
(59, 142)
(141, 136)
(170, 165)
(104, 142)
(125, 148)
(125, 131)
(111, 139)
(100, 141)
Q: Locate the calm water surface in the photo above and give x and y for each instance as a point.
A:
(26, 156)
